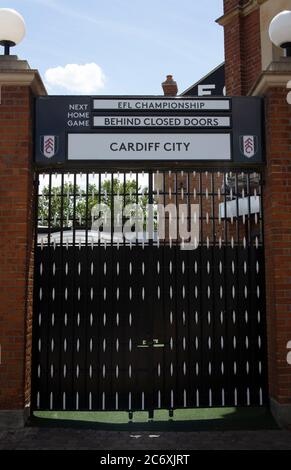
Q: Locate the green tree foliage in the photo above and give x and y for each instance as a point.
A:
(75, 208)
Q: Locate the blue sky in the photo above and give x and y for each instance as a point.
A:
(132, 45)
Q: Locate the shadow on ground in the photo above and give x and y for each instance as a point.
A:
(211, 419)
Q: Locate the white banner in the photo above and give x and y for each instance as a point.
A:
(237, 208)
(163, 104)
(149, 146)
(161, 121)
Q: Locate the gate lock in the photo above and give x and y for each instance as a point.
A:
(151, 344)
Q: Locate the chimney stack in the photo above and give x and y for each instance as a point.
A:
(170, 87)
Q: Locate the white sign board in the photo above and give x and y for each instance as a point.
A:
(149, 146)
(162, 121)
(237, 208)
(163, 104)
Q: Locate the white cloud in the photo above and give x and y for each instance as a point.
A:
(75, 78)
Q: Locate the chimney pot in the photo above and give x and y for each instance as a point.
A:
(170, 87)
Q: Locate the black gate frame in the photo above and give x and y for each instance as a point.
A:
(227, 256)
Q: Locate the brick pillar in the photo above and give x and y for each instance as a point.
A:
(242, 44)
(18, 86)
(277, 213)
(244, 55)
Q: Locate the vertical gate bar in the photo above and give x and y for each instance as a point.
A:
(235, 342)
(174, 252)
(201, 209)
(112, 212)
(165, 327)
(213, 208)
(87, 294)
(215, 356)
(175, 248)
(120, 296)
(182, 340)
(62, 209)
(87, 210)
(239, 297)
(56, 303)
(150, 400)
(250, 287)
(151, 214)
(156, 296)
(99, 202)
(61, 290)
(52, 386)
(249, 209)
(101, 283)
(164, 204)
(74, 210)
(237, 209)
(124, 203)
(203, 387)
(164, 317)
(219, 292)
(134, 338)
(49, 208)
(189, 221)
(99, 313)
(50, 283)
(196, 301)
(74, 265)
(113, 307)
(229, 388)
(137, 208)
(92, 311)
(244, 309)
(66, 342)
(200, 398)
(106, 311)
(207, 301)
(239, 291)
(262, 277)
(177, 208)
(169, 364)
(188, 305)
(158, 302)
(189, 313)
(261, 213)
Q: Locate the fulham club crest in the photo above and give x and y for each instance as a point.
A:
(249, 145)
(49, 145)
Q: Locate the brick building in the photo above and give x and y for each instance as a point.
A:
(253, 67)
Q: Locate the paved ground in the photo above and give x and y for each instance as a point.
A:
(66, 438)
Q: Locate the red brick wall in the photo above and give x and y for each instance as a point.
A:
(251, 50)
(242, 42)
(16, 188)
(233, 57)
(278, 240)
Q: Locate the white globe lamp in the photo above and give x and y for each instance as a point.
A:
(12, 28)
(280, 31)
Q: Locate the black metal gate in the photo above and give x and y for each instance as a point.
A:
(142, 320)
